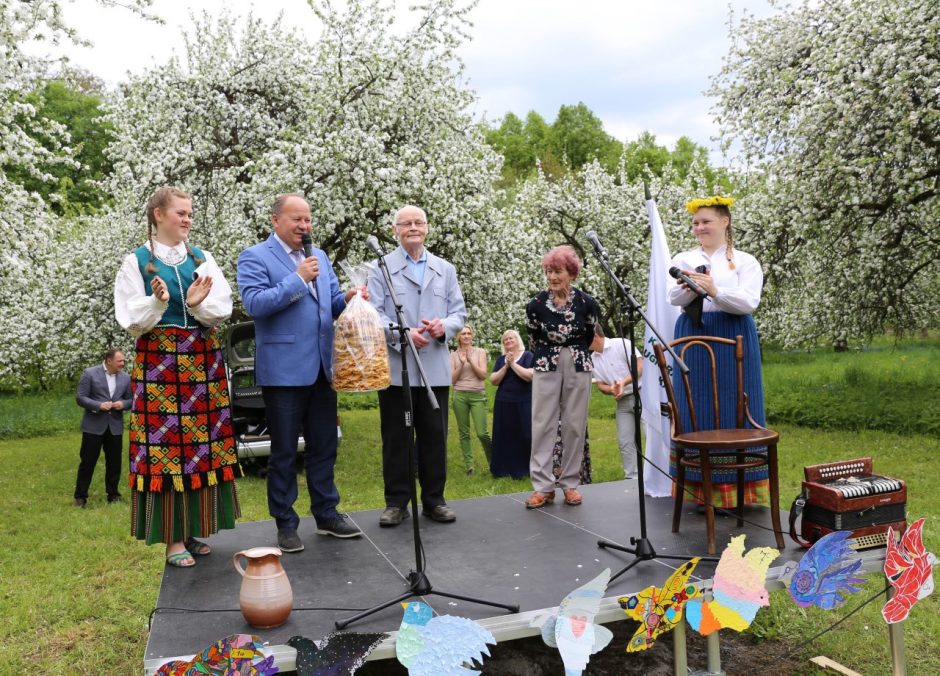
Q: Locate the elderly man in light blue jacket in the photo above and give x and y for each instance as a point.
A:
(433, 306)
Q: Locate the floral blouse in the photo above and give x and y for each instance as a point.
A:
(552, 328)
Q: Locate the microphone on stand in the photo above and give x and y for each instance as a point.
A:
(676, 273)
(373, 243)
(307, 244)
(596, 243)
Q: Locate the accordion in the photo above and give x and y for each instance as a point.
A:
(846, 495)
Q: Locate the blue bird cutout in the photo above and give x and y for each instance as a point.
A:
(572, 630)
(825, 574)
(439, 646)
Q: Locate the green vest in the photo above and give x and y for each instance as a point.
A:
(178, 278)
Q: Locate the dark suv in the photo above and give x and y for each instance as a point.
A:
(248, 414)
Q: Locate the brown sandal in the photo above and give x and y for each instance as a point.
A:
(539, 499)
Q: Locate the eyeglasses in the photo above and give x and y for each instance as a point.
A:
(408, 224)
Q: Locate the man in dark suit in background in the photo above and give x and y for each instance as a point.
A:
(104, 391)
(293, 299)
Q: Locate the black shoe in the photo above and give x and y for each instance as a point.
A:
(288, 540)
(392, 516)
(469, 471)
(338, 527)
(81, 502)
(114, 498)
(441, 513)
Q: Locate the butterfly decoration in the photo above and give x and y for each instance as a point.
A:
(659, 610)
(909, 569)
(571, 628)
(738, 589)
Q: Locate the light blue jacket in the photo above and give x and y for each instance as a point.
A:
(438, 297)
(293, 331)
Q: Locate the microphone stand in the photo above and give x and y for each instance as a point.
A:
(418, 582)
(642, 548)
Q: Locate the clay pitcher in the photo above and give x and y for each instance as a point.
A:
(266, 598)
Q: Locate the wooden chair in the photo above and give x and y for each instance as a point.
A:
(700, 448)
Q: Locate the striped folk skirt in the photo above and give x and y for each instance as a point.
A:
(722, 325)
(183, 458)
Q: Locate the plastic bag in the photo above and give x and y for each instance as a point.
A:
(360, 355)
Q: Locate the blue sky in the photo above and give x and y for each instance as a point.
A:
(638, 65)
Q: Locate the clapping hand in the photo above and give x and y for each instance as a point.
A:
(198, 291)
(158, 286)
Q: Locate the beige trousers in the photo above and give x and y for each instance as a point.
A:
(565, 394)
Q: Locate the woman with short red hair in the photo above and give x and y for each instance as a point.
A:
(561, 327)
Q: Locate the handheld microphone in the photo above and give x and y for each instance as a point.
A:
(307, 244)
(596, 243)
(676, 273)
(373, 243)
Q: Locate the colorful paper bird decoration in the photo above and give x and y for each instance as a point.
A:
(439, 646)
(339, 654)
(738, 589)
(236, 655)
(572, 630)
(659, 610)
(825, 574)
(909, 568)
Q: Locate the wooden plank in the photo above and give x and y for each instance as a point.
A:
(826, 663)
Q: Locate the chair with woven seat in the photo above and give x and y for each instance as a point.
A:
(748, 445)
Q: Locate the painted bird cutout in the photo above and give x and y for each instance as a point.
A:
(439, 646)
(572, 630)
(659, 610)
(825, 574)
(909, 569)
(738, 589)
(236, 655)
(339, 654)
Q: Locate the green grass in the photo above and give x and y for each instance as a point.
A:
(76, 589)
(892, 388)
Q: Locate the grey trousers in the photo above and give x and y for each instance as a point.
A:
(564, 393)
(626, 431)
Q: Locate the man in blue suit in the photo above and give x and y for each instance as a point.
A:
(293, 300)
(104, 391)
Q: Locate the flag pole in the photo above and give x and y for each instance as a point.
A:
(642, 548)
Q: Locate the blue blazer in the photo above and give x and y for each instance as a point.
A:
(92, 390)
(293, 331)
(439, 296)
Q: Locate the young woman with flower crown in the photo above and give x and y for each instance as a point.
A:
(183, 461)
(733, 280)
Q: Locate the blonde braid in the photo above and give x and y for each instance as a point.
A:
(151, 268)
(729, 250)
(196, 258)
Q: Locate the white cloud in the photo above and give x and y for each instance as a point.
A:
(638, 65)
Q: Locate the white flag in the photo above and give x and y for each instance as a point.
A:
(663, 316)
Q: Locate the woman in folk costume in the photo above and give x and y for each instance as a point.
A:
(733, 280)
(183, 459)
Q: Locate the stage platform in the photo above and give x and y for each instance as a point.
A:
(496, 550)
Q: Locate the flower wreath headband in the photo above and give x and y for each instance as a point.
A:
(716, 201)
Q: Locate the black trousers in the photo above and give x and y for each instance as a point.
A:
(88, 458)
(430, 429)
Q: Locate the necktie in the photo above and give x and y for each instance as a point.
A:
(298, 257)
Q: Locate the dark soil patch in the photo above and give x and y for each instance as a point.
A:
(740, 655)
